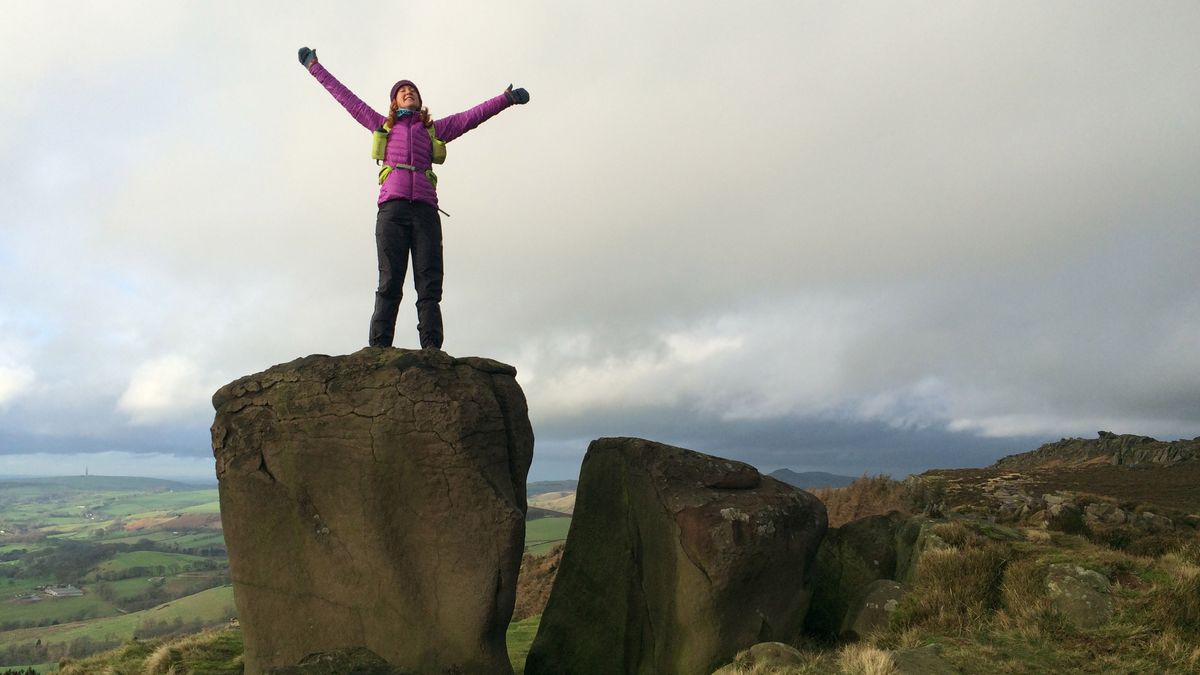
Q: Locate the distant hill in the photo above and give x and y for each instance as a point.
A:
(1108, 448)
(562, 502)
(534, 513)
(102, 483)
(541, 487)
(811, 479)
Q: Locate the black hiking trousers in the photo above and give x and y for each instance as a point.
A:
(402, 228)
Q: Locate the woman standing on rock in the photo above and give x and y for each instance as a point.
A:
(408, 223)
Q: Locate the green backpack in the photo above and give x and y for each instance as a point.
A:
(379, 150)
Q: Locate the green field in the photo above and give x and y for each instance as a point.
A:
(147, 504)
(213, 506)
(543, 534)
(209, 607)
(154, 562)
(80, 608)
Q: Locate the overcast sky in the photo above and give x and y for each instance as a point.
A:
(843, 236)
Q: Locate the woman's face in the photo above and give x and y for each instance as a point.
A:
(406, 97)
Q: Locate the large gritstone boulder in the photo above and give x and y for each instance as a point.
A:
(675, 561)
(375, 500)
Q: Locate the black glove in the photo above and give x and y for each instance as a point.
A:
(518, 96)
(307, 56)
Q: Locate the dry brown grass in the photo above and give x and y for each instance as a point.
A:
(162, 661)
(1183, 653)
(955, 589)
(866, 496)
(1023, 590)
(861, 659)
(1177, 603)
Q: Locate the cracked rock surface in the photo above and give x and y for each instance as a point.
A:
(675, 561)
(375, 500)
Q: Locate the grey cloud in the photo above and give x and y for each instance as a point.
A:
(911, 214)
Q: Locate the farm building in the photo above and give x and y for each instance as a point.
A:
(67, 591)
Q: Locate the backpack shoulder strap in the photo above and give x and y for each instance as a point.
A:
(439, 146)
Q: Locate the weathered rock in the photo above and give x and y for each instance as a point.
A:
(375, 500)
(1065, 517)
(1057, 498)
(764, 657)
(1082, 596)
(1152, 522)
(849, 558)
(1104, 514)
(873, 611)
(914, 537)
(675, 561)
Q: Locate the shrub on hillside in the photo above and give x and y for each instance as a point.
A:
(1023, 591)
(954, 588)
(866, 496)
(1137, 542)
(1178, 604)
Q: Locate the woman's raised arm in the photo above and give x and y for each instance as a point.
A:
(360, 111)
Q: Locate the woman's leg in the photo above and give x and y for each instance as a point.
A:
(393, 238)
(427, 273)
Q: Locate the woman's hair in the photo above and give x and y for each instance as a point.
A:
(426, 119)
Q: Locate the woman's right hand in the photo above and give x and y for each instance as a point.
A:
(307, 57)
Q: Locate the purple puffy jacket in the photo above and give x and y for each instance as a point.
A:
(408, 142)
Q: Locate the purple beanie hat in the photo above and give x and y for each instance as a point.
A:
(401, 83)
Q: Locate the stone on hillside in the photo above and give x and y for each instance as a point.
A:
(1082, 596)
(764, 657)
(375, 500)
(914, 538)
(849, 558)
(1152, 522)
(675, 561)
(1065, 517)
(1104, 514)
(874, 610)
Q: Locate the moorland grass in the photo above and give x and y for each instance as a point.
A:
(519, 639)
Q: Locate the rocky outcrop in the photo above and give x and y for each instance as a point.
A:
(675, 561)
(1069, 512)
(1108, 448)
(375, 500)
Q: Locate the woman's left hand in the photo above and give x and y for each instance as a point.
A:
(517, 96)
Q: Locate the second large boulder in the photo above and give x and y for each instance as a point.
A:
(675, 561)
